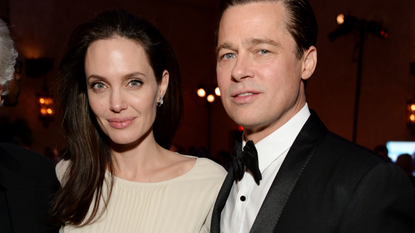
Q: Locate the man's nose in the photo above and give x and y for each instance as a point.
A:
(242, 68)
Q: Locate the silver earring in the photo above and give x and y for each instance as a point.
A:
(160, 102)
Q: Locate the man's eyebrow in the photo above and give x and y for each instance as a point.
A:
(223, 46)
(253, 41)
(256, 41)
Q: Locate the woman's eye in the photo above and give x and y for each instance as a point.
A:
(98, 86)
(134, 83)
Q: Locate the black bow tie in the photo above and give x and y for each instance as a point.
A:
(246, 159)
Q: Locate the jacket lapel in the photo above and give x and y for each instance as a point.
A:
(221, 201)
(293, 166)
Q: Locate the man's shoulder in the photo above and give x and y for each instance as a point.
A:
(337, 146)
(350, 150)
(26, 157)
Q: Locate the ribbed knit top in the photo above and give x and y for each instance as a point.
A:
(180, 205)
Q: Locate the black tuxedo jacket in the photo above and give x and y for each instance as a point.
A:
(328, 184)
(30, 182)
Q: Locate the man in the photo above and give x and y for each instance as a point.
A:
(309, 179)
(27, 179)
(406, 162)
(13, 88)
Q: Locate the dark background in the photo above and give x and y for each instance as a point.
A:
(41, 28)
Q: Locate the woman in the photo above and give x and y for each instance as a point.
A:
(120, 93)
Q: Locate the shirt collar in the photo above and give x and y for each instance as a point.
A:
(278, 142)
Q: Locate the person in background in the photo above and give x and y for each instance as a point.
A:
(382, 150)
(290, 174)
(406, 162)
(13, 88)
(27, 179)
(52, 153)
(120, 93)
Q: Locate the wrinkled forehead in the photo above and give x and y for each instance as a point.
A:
(261, 13)
(266, 20)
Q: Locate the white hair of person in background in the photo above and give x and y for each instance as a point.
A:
(8, 57)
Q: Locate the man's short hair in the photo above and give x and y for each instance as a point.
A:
(7, 54)
(301, 22)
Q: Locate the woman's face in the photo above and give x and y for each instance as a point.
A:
(122, 89)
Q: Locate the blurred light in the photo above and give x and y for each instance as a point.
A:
(217, 91)
(340, 19)
(346, 25)
(46, 108)
(31, 52)
(376, 29)
(411, 115)
(240, 128)
(201, 92)
(210, 98)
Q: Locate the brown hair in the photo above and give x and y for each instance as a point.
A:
(301, 22)
(88, 147)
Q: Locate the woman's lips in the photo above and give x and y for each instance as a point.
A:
(121, 122)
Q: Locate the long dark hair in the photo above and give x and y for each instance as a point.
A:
(88, 147)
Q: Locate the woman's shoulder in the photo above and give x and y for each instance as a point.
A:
(210, 169)
(61, 169)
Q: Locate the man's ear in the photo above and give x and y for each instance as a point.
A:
(164, 83)
(309, 62)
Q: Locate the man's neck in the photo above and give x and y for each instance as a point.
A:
(256, 134)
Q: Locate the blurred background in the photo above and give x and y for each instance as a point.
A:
(357, 50)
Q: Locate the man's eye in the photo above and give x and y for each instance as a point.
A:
(228, 56)
(263, 51)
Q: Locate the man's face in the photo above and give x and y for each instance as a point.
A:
(259, 76)
(12, 97)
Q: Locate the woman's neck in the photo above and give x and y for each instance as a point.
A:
(137, 159)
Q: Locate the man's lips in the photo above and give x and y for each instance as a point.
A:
(242, 97)
(121, 122)
(242, 93)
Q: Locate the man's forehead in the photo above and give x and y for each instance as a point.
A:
(253, 23)
(255, 7)
(247, 17)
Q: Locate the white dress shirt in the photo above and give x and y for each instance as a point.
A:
(246, 197)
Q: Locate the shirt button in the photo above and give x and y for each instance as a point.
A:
(243, 198)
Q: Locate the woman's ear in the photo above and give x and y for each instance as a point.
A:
(164, 83)
(309, 62)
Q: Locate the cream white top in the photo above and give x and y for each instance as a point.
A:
(182, 204)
